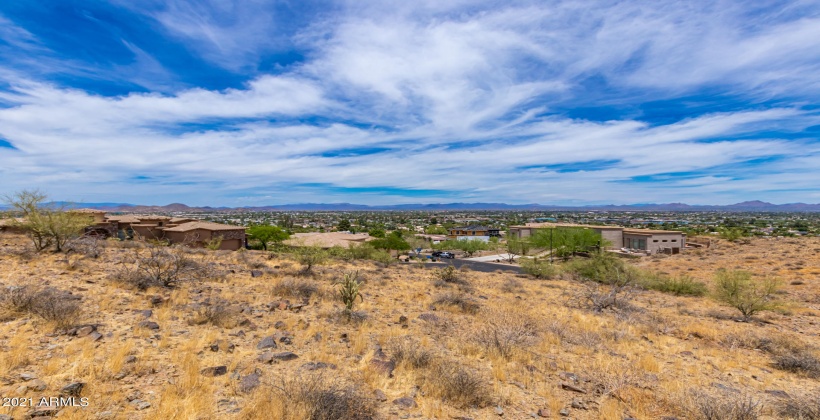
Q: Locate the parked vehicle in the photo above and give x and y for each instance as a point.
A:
(443, 254)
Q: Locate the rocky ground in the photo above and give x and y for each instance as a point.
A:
(251, 336)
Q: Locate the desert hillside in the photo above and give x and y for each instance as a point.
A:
(253, 335)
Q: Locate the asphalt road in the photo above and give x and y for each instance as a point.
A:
(483, 267)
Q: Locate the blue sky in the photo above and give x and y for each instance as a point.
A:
(257, 102)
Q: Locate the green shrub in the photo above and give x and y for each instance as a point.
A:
(681, 285)
(604, 268)
(539, 269)
(745, 293)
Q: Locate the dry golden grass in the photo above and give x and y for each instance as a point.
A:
(503, 341)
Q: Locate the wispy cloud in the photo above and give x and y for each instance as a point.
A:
(463, 101)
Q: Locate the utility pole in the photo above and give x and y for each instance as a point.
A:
(551, 229)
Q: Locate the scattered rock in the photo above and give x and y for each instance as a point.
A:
(544, 412)
(27, 376)
(573, 388)
(256, 273)
(140, 405)
(379, 395)
(267, 343)
(579, 404)
(151, 325)
(73, 389)
(146, 313)
(317, 366)
(777, 393)
(130, 359)
(285, 356)
(405, 403)
(687, 353)
(564, 412)
(156, 300)
(283, 337)
(214, 371)
(43, 412)
(279, 325)
(250, 382)
(297, 307)
(266, 357)
(384, 366)
(222, 345)
(36, 385)
(85, 330)
(499, 411)
(95, 336)
(403, 320)
(5, 417)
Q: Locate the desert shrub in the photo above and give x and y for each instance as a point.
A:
(409, 352)
(349, 290)
(604, 268)
(457, 384)
(298, 288)
(220, 313)
(539, 269)
(449, 275)
(19, 298)
(803, 407)
(57, 306)
(738, 289)
(309, 257)
(159, 266)
(598, 297)
(681, 285)
(512, 285)
(90, 246)
(317, 397)
(457, 300)
(381, 256)
(802, 362)
(214, 243)
(727, 406)
(360, 251)
(504, 331)
(50, 304)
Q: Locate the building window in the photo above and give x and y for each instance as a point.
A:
(654, 240)
(674, 240)
(664, 240)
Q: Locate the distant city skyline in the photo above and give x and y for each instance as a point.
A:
(229, 103)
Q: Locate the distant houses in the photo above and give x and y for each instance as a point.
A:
(642, 240)
(175, 230)
(473, 232)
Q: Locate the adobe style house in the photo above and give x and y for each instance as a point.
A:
(475, 232)
(175, 230)
(645, 240)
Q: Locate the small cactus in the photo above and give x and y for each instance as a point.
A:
(349, 289)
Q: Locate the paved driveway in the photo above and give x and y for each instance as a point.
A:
(483, 267)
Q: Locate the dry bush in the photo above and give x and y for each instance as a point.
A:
(160, 266)
(803, 407)
(51, 304)
(449, 275)
(407, 351)
(740, 290)
(457, 300)
(220, 314)
(457, 384)
(511, 285)
(726, 406)
(798, 362)
(598, 297)
(318, 397)
(505, 331)
(297, 288)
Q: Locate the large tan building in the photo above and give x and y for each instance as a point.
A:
(650, 241)
(175, 230)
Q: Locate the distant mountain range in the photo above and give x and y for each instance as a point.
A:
(746, 206)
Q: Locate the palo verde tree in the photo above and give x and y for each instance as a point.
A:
(391, 242)
(266, 234)
(46, 225)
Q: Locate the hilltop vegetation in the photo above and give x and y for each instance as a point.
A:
(164, 332)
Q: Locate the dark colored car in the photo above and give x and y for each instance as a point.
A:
(442, 254)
